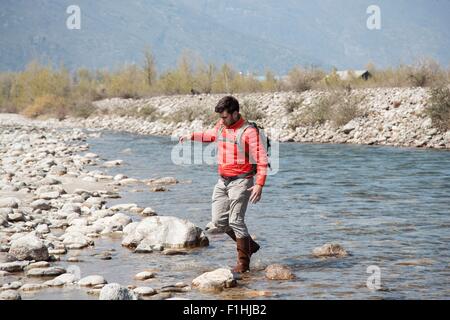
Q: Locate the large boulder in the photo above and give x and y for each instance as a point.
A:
(28, 247)
(169, 232)
(215, 280)
(115, 291)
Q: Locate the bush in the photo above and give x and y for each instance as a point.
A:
(192, 113)
(251, 111)
(301, 80)
(292, 104)
(439, 108)
(82, 109)
(346, 109)
(48, 105)
(339, 107)
(425, 73)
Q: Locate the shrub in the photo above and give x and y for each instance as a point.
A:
(438, 108)
(339, 107)
(304, 79)
(49, 105)
(192, 113)
(425, 73)
(82, 109)
(292, 104)
(251, 111)
(346, 109)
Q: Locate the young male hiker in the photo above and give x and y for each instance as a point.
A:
(241, 156)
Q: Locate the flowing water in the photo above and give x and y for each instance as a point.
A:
(389, 207)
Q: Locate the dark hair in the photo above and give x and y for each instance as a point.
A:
(228, 103)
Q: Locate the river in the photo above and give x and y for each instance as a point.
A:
(389, 207)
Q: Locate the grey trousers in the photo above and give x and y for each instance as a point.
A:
(229, 203)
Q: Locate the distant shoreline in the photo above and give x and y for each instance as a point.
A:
(391, 117)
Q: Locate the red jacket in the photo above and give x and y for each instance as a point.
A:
(230, 160)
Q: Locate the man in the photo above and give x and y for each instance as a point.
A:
(241, 156)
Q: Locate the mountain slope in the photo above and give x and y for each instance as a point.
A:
(250, 34)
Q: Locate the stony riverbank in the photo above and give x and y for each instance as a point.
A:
(52, 207)
(391, 116)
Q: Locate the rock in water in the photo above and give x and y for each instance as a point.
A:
(91, 281)
(279, 272)
(10, 295)
(28, 247)
(115, 291)
(169, 232)
(215, 280)
(330, 250)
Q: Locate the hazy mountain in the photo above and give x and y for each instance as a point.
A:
(252, 35)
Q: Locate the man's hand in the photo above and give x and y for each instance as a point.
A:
(256, 193)
(184, 138)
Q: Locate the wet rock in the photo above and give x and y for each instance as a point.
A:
(169, 232)
(164, 181)
(215, 280)
(91, 281)
(113, 163)
(40, 264)
(115, 291)
(29, 247)
(279, 272)
(62, 280)
(10, 295)
(148, 212)
(74, 259)
(114, 223)
(119, 177)
(105, 255)
(161, 296)
(144, 275)
(330, 250)
(33, 287)
(173, 252)
(90, 155)
(143, 248)
(123, 207)
(11, 286)
(144, 291)
(45, 272)
(174, 289)
(76, 240)
(15, 266)
(159, 189)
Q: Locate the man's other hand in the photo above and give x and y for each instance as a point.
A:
(256, 193)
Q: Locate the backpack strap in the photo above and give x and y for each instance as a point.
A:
(240, 133)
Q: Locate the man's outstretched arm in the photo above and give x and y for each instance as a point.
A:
(204, 136)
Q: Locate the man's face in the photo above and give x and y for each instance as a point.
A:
(229, 118)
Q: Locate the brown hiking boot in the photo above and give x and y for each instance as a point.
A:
(243, 251)
(254, 246)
